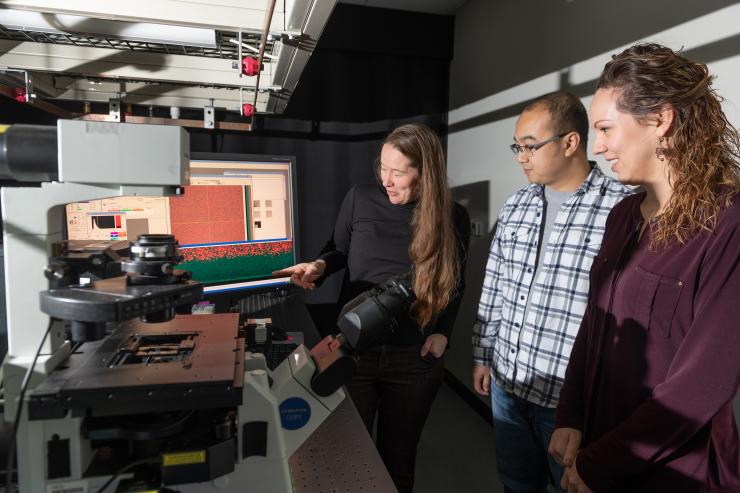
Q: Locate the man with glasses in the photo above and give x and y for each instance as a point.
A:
(536, 285)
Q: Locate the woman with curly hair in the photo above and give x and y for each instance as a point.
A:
(647, 400)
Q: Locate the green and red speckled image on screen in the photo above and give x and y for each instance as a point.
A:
(234, 222)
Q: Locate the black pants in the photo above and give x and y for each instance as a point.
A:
(399, 385)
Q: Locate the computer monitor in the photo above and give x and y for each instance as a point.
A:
(235, 223)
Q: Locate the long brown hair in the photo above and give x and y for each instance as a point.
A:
(703, 150)
(433, 249)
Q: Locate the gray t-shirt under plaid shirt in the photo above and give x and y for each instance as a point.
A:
(552, 202)
(528, 356)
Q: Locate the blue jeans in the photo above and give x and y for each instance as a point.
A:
(522, 433)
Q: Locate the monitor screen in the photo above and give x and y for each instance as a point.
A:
(235, 223)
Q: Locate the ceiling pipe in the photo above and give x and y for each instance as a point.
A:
(263, 42)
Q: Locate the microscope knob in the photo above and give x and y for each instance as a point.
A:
(55, 272)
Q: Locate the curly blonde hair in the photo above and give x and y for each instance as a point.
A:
(704, 148)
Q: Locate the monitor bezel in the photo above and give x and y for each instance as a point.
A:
(256, 158)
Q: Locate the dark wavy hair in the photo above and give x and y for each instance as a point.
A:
(433, 248)
(703, 148)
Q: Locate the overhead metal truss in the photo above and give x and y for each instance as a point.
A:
(226, 43)
(148, 94)
(81, 66)
(113, 63)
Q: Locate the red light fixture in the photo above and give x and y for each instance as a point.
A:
(250, 66)
(20, 95)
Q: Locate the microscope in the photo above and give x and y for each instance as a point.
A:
(125, 394)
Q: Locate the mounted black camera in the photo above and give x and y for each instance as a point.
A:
(374, 313)
(363, 321)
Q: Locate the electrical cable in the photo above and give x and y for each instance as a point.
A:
(126, 468)
(18, 409)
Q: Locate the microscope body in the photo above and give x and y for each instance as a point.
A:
(231, 424)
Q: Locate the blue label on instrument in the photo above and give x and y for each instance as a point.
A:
(294, 413)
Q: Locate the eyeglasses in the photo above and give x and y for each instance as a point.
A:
(529, 149)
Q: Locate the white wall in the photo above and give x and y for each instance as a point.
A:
(481, 153)
(480, 131)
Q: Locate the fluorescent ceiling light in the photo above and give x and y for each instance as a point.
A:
(133, 31)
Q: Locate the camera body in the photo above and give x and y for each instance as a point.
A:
(374, 313)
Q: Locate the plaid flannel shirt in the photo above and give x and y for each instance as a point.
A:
(528, 357)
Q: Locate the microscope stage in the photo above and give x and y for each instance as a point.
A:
(190, 362)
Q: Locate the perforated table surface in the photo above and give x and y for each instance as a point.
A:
(340, 457)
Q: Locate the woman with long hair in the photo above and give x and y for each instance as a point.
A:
(647, 399)
(405, 224)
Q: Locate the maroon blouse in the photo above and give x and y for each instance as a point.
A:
(656, 363)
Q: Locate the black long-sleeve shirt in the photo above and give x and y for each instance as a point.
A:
(371, 240)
